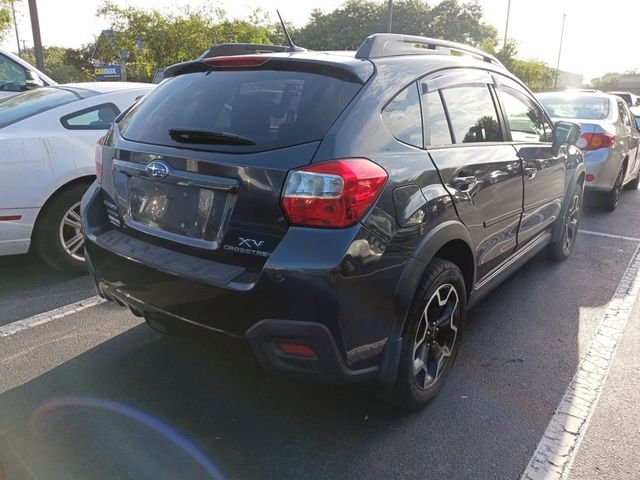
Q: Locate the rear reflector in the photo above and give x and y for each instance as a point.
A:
(333, 194)
(10, 218)
(297, 350)
(98, 159)
(595, 141)
(236, 61)
(590, 178)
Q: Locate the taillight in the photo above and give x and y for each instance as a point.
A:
(99, 159)
(594, 141)
(332, 194)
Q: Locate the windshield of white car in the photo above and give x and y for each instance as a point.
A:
(26, 104)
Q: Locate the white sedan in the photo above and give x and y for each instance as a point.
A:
(47, 147)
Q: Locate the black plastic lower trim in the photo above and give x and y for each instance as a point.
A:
(328, 364)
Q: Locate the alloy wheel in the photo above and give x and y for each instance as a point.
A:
(435, 336)
(617, 188)
(70, 233)
(571, 223)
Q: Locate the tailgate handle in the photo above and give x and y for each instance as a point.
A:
(180, 177)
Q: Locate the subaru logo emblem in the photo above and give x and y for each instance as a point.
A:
(157, 169)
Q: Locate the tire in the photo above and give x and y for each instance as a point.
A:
(633, 184)
(52, 231)
(420, 376)
(609, 200)
(566, 230)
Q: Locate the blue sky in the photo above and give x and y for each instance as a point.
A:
(599, 37)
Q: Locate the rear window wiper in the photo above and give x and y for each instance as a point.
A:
(186, 135)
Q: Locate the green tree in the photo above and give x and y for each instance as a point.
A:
(151, 39)
(64, 65)
(348, 25)
(536, 74)
(607, 82)
(6, 20)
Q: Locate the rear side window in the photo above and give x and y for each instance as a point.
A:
(272, 108)
(624, 116)
(436, 126)
(472, 113)
(99, 117)
(403, 118)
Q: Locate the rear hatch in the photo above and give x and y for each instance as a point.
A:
(198, 165)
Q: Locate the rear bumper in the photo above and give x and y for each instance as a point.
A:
(305, 297)
(604, 164)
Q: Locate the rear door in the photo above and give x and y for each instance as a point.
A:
(530, 132)
(481, 171)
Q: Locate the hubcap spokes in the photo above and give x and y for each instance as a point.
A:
(435, 336)
(573, 215)
(70, 233)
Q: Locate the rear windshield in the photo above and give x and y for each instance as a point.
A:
(21, 106)
(272, 109)
(582, 107)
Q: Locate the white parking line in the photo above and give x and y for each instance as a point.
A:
(559, 445)
(46, 317)
(609, 235)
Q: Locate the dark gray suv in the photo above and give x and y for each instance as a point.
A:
(340, 212)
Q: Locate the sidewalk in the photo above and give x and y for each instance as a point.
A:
(611, 446)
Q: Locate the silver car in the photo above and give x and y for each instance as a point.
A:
(609, 139)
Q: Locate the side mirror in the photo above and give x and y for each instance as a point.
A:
(33, 81)
(565, 133)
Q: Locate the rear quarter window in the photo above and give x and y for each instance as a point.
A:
(403, 118)
(272, 108)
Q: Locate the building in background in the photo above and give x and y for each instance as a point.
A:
(629, 83)
(569, 80)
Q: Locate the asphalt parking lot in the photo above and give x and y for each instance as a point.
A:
(97, 394)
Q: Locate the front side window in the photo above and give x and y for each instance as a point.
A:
(13, 77)
(472, 114)
(523, 119)
(99, 117)
(403, 118)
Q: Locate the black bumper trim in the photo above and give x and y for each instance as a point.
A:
(169, 261)
(328, 364)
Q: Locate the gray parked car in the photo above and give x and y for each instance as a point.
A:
(609, 139)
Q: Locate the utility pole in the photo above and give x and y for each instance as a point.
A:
(37, 40)
(506, 27)
(390, 12)
(555, 84)
(15, 25)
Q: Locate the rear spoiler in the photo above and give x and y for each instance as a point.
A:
(357, 72)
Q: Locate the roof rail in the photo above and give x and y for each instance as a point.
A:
(391, 44)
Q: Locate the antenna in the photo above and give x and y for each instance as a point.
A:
(292, 46)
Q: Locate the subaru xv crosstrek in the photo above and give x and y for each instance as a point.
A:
(339, 211)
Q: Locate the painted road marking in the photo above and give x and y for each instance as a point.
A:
(559, 445)
(609, 235)
(46, 317)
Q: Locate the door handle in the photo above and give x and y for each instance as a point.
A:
(530, 172)
(464, 183)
